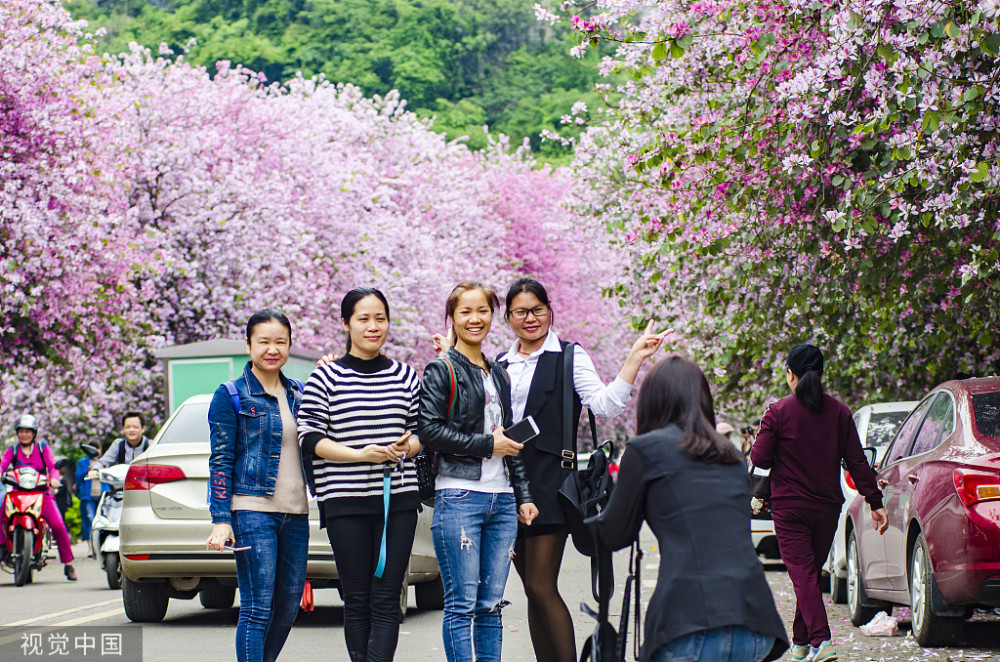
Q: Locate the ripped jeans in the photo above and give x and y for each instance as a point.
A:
(474, 536)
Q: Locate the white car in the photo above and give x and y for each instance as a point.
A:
(877, 424)
(762, 528)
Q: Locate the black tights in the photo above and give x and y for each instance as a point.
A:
(537, 560)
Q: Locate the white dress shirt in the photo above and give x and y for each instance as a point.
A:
(604, 400)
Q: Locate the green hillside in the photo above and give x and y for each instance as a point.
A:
(467, 62)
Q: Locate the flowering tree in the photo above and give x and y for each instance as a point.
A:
(147, 203)
(805, 171)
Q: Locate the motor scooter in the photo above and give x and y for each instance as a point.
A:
(29, 539)
(104, 530)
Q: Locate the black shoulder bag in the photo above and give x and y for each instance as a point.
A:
(584, 492)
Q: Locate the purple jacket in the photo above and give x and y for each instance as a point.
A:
(803, 449)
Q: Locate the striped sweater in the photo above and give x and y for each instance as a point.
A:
(357, 402)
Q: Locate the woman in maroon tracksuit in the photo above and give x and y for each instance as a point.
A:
(803, 439)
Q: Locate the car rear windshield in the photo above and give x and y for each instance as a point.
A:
(987, 409)
(881, 427)
(190, 425)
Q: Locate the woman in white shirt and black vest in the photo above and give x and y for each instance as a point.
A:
(535, 363)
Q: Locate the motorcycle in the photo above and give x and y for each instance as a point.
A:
(104, 530)
(29, 539)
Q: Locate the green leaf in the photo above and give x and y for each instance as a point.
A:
(931, 121)
(990, 43)
(971, 94)
(660, 51)
(676, 51)
(980, 173)
(953, 30)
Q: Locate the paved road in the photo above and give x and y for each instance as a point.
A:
(190, 632)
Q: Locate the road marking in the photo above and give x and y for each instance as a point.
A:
(92, 617)
(57, 614)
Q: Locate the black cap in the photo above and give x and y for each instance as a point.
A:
(803, 358)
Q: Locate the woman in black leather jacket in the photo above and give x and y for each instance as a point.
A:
(481, 486)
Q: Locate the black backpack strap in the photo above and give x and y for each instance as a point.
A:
(121, 451)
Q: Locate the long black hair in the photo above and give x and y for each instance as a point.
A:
(676, 391)
(806, 362)
(350, 302)
(264, 316)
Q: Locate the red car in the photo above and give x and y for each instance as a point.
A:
(941, 481)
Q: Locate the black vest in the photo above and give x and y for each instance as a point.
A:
(545, 402)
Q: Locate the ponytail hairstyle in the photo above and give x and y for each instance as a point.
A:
(676, 391)
(452, 303)
(806, 362)
(350, 302)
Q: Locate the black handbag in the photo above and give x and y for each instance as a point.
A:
(426, 462)
(584, 492)
(426, 466)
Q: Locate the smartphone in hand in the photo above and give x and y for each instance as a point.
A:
(524, 430)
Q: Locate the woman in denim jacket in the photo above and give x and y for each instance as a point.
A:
(257, 493)
(481, 487)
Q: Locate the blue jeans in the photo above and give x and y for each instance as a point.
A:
(732, 643)
(87, 511)
(271, 574)
(474, 535)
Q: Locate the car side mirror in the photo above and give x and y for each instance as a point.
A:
(869, 452)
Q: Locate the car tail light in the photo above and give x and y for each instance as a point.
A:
(137, 557)
(849, 480)
(975, 486)
(145, 476)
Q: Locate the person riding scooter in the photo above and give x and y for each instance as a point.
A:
(105, 528)
(31, 453)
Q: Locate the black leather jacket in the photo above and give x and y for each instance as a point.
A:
(460, 442)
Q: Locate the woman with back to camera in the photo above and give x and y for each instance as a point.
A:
(711, 602)
(802, 440)
(358, 417)
(481, 488)
(257, 494)
(535, 364)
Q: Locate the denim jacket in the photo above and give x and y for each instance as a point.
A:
(246, 449)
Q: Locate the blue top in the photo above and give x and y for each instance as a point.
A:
(246, 448)
(83, 485)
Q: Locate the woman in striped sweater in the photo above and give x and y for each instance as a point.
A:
(357, 416)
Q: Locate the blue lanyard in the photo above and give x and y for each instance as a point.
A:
(386, 487)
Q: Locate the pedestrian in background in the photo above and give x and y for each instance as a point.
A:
(712, 602)
(358, 416)
(481, 487)
(802, 440)
(88, 490)
(257, 489)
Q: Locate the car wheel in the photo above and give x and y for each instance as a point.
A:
(430, 595)
(838, 589)
(24, 546)
(217, 596)
(404, 597)
(856, 595)
(113, 570)
(929, 629)
(144, 603)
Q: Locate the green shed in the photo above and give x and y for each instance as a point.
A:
(200, 367)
